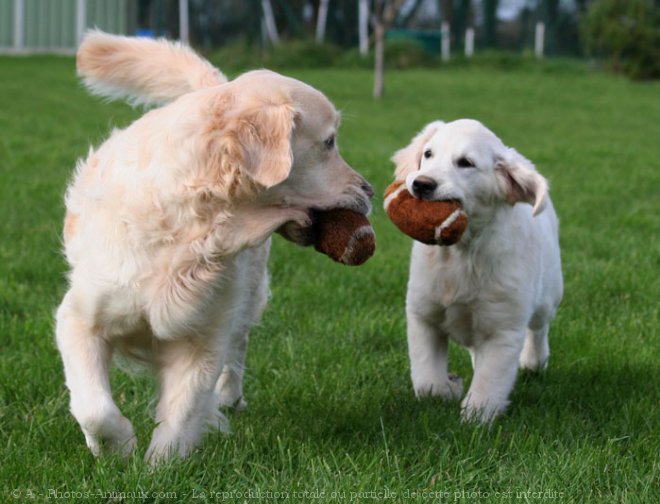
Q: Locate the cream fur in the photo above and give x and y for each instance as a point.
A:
(132, 68)
(497, 289)
(407, 159)
(168, 225)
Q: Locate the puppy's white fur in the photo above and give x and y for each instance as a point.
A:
(497, 289)
(168, 226)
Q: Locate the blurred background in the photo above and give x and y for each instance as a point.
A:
(623, 33)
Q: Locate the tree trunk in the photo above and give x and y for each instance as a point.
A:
(379, 67)
(385, 12)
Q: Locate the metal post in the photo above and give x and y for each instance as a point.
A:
(81, 19)
(379, 57)
(19, 24)
(469, 42)
(363, 16)
(539, 39)
(445, 41)
(321, 20)
(269, 21)
(184, 25)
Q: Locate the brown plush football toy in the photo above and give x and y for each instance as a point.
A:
(343, 235)
(430, 222)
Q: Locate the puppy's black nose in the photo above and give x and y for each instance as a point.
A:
(424, 187)
(368, 190)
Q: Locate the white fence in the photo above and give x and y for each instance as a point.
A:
(34, 26)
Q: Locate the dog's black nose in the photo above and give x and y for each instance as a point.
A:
(424, 187)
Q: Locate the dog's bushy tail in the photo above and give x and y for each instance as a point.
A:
(140, 70)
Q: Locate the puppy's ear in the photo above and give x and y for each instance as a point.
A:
(407, 160)
(263, 135)
(519, 181)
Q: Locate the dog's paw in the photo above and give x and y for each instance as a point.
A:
(481, 411)
(231, 403)
(168, 443)
(229, 391)
(109, 434)
(536, 351)
(122, 447)
(450, 389)
(296, 216)
(530, 360)
(159, 454)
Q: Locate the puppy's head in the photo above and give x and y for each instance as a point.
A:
(464, 160)
(276, 138)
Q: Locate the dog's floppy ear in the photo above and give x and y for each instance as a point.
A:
(519, 181)
(407, 160)
(263, 134)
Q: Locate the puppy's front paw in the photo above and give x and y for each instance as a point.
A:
(482, 411)
(449, 389)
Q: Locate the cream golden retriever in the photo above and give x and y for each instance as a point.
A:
(498, 288)
(168, 225)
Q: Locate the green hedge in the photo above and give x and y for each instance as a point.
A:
(627, 34)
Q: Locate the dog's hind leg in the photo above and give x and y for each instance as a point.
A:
(229, 388)
(188, 369)
(253, 299)
(86, 357)
(536, 350)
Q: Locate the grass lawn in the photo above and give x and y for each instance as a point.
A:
(331, 408)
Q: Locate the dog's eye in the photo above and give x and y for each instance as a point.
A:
(330, 142)
(464, 163)
(428, 153)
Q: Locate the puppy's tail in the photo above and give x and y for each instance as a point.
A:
(140, 70)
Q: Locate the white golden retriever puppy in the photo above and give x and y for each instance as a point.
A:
(498, 288)
(168, 226)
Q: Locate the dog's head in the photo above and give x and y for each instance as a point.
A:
(464, 160)
(273, 140)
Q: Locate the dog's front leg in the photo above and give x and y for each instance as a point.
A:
(188, 371)
(251, 303)
(495, 361)
(252, 226)
(427, 347)
(229, 387)
(228, 391)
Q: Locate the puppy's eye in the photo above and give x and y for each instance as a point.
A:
(464, 163)
(330, 142)
(428, 153)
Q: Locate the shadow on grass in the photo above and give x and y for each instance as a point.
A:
(563, 407)
(566, 405)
